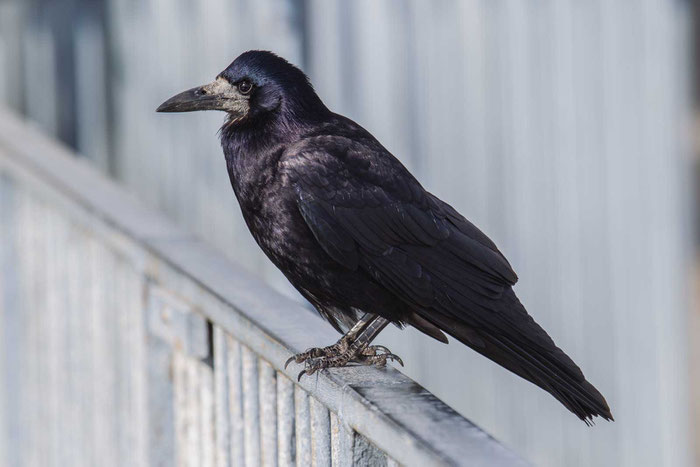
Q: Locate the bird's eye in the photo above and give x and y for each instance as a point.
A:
(245, 86)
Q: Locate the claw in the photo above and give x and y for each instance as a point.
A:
(289, 360)
(396, 358)
(303, 372)
(382, 348)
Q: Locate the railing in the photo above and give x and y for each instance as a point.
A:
(126, 341)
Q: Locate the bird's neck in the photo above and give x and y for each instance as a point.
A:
(252, 154)
(253, 149)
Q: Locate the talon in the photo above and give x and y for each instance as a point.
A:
(289, 360)
(382, 348)
(395, 358)
(303, 372)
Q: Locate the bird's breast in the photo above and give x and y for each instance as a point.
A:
(269, 206)
(279, 229)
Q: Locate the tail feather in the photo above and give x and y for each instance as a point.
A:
(551, 369)
(575, 393)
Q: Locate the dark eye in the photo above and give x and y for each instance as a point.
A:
(245, 86)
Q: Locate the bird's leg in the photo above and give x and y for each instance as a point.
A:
(357, 351)
(339, 347)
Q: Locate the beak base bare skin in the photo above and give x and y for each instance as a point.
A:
(219, 95)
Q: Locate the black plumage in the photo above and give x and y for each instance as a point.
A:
(355, 232)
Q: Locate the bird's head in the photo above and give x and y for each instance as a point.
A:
(256, 85)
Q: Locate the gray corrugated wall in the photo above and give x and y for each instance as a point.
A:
(555, 125)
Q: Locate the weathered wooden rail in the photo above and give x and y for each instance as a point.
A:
(124, 340)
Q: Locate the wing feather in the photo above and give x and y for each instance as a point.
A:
(368, 213)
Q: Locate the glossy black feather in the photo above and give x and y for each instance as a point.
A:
(354, 231)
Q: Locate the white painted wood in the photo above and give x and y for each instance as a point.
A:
(342, 438)
(207, 447)
(267, 384)
(235, 385)
(286, 444)
(251, 407)
(194, 411)
(302, 424)
(187, 434)
(320, 434)
(222, 402)
(132, 410)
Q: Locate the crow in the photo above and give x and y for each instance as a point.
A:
(359, 237)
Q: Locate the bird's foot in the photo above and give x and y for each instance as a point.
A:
(338, 348)
(377, 355)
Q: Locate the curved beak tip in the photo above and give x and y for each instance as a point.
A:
(186, 101)
(174, 104)
(164, 107)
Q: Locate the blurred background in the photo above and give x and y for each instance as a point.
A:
(565, 129)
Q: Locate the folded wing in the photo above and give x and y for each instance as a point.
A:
(368, 213)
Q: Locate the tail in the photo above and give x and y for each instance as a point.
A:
(545, 370)
(519, 344)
